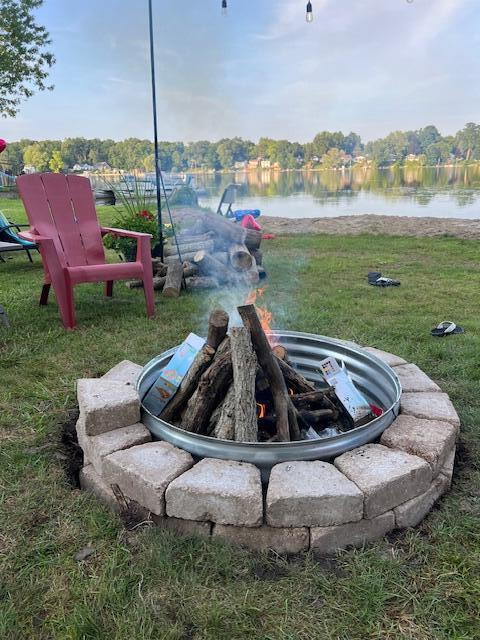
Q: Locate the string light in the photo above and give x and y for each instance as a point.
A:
(224, 8)
(309, 15)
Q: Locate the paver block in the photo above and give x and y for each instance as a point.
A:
(414, 379)
(107, 404)
(412, 512)
(222, 491)
(387, 477)
(448, 467)
(265, 538)
(431, 440)
(186, 528)
(432, 406)
(125, 371)
(95, 448)
(303, 494)
(145, 471)
(327, 540)
(389, 358)
(93, 483)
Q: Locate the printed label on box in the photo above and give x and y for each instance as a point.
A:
(170, 378)
(351, 398)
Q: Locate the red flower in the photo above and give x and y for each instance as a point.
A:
(145, 214)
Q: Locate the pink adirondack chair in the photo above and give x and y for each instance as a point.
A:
(64, 225)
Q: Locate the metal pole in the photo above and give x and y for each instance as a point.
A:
(158, 250)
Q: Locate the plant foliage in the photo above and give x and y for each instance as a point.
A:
(24, 58)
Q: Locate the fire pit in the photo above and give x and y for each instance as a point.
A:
(373, 377)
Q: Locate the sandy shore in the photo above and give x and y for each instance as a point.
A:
(390, 225)
(356, 225)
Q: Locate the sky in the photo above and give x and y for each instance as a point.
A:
(369, 66)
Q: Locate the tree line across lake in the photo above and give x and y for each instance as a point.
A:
(425, 146)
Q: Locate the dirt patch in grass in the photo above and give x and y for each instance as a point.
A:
(71, 449)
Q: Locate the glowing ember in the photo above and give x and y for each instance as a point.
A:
(265, 316)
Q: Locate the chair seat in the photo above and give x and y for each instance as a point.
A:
(104, 272)
(10, 246)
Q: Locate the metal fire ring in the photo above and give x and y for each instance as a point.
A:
(371, 375)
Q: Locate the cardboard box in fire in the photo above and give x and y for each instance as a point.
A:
(170, 378)
(354, 402)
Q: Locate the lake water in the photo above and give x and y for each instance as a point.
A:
(447, 192)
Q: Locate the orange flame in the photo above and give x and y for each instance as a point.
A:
(265, 316)
(261, 410)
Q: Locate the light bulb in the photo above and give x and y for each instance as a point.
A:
(309, 12)
(224, 8)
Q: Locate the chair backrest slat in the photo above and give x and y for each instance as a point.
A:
(63, 209)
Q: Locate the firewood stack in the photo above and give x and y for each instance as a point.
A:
(240, 388)
(214, 252)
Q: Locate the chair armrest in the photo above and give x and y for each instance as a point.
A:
(33, 237)
(123, 233)
(14, 226)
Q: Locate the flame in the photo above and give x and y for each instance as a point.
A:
(261, 410)
(264, 315)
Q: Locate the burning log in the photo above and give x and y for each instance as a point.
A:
(224, 417)
(294, 379)
(270, 365)
(244, 364)
(319, 415)
(212, 387)
(190, 382)
(174, 280)
(240, 257)
(217, 328)
(308, 400)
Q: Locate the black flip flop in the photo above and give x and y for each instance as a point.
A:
(446, 328)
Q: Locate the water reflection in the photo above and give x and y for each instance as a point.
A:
(441, 192)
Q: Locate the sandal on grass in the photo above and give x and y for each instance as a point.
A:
(381, 281)
(446, 328)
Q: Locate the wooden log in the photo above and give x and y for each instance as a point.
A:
(186, 257)
(173, 283)
(257, 256)
(211, 389)
(224, 228)
(224, 417)
(134, 284)
(159, 268)
(271, 368)
(197, 228)
(262, 274)
(202, 282)
(159, 283)
(253, 238)
(188, 238)
(294, 379)
(251, 277)
(221, 256)
(217, 328)
(188, 247)
(240, 257)
(244, 364)
(189, 269)
(280, 352)
(210, 266)
(202, 361)
(316, 416)
(308, 400)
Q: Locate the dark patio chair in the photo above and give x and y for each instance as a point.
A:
(10, 241)
(228, 198)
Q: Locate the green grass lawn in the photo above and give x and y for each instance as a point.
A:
(420, 584)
